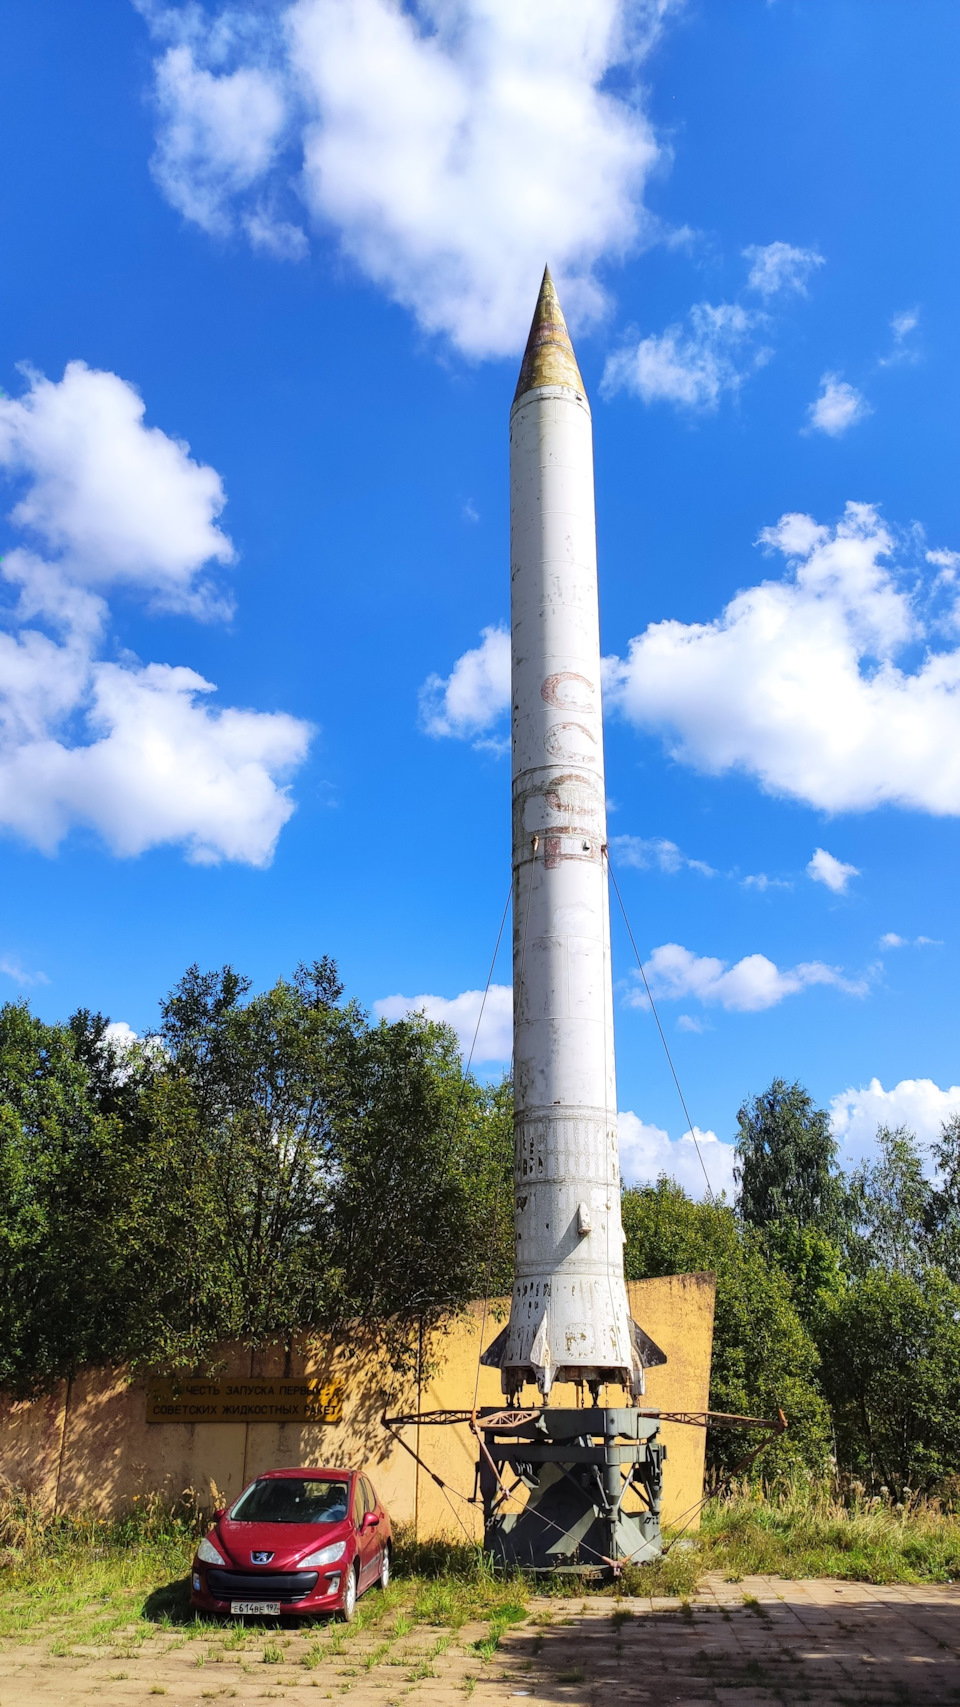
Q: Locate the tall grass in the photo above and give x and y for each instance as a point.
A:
(815, 1530)
(79, 1577)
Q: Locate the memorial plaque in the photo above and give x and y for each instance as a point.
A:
(256, 1398)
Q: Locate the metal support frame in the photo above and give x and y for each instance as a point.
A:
(592, 1481)
(577, 1469)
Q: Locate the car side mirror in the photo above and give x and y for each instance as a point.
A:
(370, 1521)
(220, 1511)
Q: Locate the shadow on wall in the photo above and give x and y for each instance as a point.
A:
(88, 1445)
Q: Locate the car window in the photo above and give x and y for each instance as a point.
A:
(358, 1502)
(370, 1498)
(292, 1499)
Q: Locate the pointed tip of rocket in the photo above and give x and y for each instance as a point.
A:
(548, 358)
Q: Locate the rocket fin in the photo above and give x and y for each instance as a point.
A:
(492, 1358)
(541, 1357)
(650, 1354)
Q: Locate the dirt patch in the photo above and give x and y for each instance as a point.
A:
(760, 1641)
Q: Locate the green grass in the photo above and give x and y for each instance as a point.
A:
(808, 1533)
(80, 1584)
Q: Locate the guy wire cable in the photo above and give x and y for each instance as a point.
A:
(535, 844)
(690, 1126)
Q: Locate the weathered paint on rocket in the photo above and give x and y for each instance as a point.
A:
(569, 1316)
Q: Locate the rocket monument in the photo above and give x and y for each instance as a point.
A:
(569, 1316)
(570, 1319)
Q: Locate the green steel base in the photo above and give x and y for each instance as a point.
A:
(572, 1490)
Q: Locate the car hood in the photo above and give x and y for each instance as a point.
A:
(288, 1542)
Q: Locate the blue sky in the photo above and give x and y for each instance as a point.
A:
(268, 270)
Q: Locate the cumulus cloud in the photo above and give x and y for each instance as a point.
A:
(451, 148)
(693, 365)
(838, 407)
(752, 984)
(495, 1036)
(131, 751)
(115, 500)
(760, 881)
(647, 1151)
(823, 868)
(777, 267)
(475, 694)
(655, 853)
(798, 682)
(218, 136)
(919, 1104)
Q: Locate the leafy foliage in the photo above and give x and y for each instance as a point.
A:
(763, 1356)
(786, 1161)
(268, 1164)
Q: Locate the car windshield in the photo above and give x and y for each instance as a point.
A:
(292, 1499)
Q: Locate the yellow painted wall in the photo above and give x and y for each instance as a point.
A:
(90, 1446)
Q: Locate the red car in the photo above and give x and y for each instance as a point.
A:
(301, 1541)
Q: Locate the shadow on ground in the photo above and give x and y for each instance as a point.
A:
(786, 1652)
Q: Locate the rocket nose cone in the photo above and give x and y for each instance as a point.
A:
(548, 358)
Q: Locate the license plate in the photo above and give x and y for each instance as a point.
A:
(251, 1608)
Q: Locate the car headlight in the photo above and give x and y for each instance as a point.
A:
(207, 1552)
(326, 1555)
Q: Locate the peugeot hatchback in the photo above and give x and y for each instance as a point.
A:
(301, 1541)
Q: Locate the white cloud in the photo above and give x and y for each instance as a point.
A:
(918, 1104)
(114, 499)
(10, 967)
(780, 267)
(838, 407)
(749, 986)
(475, 694)
(823, 868)
(761, 882)
(901, 326)
(797, 684)
(655, 851)
(218, 136)
(495, 1036)
(162, 768)
(693, 366)
(127, 750)
(890, 939)
(121, 1035)
(647, 1151)
(452, 148)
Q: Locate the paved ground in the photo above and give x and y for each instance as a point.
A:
(760, 1643)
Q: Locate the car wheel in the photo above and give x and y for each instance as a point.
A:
(348, 1605)
(385, 1567)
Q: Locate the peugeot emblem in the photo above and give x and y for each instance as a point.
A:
(260, 1558)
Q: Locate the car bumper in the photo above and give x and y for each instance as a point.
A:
(325, 1597)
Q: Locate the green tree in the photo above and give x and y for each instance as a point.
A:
(893, 1208)
(273, 1163)
(891, 1368)
(763, 1356)
(786, 1161)
(59, 1192)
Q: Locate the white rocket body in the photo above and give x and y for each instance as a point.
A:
(569, 1319)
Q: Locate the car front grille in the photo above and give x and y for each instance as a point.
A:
(263, 1585)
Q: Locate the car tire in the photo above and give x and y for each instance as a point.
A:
(347, 1611)
(385, 1567)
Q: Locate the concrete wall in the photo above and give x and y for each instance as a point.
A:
(88, 1445)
